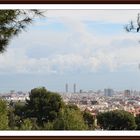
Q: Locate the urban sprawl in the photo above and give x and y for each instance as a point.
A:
(91, 101)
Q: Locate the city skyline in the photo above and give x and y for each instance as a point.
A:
(86, 47)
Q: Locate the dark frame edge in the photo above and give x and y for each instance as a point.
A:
(69, 1)
(70, 137)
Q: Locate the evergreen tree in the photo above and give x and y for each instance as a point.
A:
(116, 120)
(43, 105)
(69, 119)
(3, 115)
(12, 22)
(137, 120)
(89, 120)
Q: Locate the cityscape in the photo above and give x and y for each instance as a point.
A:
(90, 100)
(104, 100)
(72, 69)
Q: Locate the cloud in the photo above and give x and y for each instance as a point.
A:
(16, 61)
(109, 16)
(75, 49)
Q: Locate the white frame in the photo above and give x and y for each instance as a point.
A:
(70, 6)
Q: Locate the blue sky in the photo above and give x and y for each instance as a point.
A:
(86, 47)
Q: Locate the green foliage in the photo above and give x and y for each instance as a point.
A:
(69, 119)
(19, 109)
(72, 106)
(3, 115)
(26, 125)
(89, 120)
(16, 115)
(48, 126)
(11, 118)
(137, 120)
(12, 22)
(116, 120)
(43, 105)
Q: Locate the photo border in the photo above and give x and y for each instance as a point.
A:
(69, 137)
(69, 2)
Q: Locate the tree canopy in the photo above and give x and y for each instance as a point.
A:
(3, 115)
(68, 119)
(132, 27)
(43, 105)
(89, 120)
(116, 120)
(137, 119)
(12, 22)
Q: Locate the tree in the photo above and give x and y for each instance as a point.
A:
(19, 109)
(89, 120)
(49, 126)
(43, 105)
(131, 27)
(16, 115)
(3, 115)
(72, 106)
(12, 22)
(116, 120)
(69, 119)
(29, 124)
(137, 120)
(11, 118)
(26, 125)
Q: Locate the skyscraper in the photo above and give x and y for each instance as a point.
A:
(127, 93)
(66, 86)
(108, 92)
(74, 88)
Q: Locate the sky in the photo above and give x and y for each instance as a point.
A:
(86, 47)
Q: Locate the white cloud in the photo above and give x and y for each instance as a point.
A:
(45, 52)
(113, 16)
(18, 62)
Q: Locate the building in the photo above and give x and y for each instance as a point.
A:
(66, 88)
(127, 93)
(74, 88)
(108, 92)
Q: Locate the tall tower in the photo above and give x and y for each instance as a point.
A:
(74, 88)
(66, 86)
